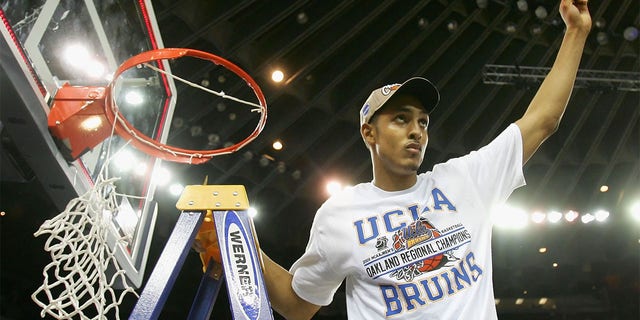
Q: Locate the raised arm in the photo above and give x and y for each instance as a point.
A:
(547, 107)
(283, 299)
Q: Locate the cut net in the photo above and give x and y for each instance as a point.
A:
(76, 283)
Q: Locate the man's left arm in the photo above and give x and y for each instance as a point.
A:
(545, 111)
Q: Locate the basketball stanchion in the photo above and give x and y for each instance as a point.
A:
(210, 213)
(81, 118)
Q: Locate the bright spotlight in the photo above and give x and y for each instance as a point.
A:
(176, 189)
(634, 210)
(508, 217)
(162, 176)
(602, 215)
(277, 145)
(554, 216)
(253, 212)
(277, 76)
(571, 216)
(538, 217)
(124, 160)
(76, 55)
(91, 123)
(133, 98)
(334, 187)
(586, 218)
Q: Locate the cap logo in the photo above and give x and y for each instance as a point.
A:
(386, 90)
(365, 109)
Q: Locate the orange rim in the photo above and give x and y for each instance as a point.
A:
(163, 151)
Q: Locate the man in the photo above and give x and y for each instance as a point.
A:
(418, 246)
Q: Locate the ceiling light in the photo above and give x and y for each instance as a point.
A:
(542, 300)
(536, 29)
(91, 123)
(630, 33)
(571, 216)
(196, 131)
(296, 174)
(522, 5)
(538, 217)
(604, 188)
(333, 187)
(586, 218)
(452, 25)
(133, 98)
(542, 250)
(423, 23)
(176, 189)
(519, 301)
(214, 139)
(277, 76)
(555, 264)
(277, 145)
(554, 216)
(161, 176)
(508, 217)
(482, 4)
(264, 160)
(634, 210)
(302, 18)
(281, 167)
(511, 27)
(541, 12)
(602, 38)
(600, 23)
(601, 215)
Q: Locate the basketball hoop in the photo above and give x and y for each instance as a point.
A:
(152, 147)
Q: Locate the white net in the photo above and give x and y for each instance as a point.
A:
(79, 282)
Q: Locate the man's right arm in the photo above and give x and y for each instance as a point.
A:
(283, 299)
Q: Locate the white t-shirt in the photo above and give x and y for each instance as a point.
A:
(420, 253)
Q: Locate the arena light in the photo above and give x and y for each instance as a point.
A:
(333, 187)
(162, 176)
(509, 217)
(634, 210)
(277, 145)
(571, 216)
(538, 217)
(277, 76)
(176, 189)
(631, 33)
(253, 212)
(587, 218)
(124, 160)
(554, 216)
(601, 215)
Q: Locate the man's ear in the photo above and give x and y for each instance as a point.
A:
(366, 130)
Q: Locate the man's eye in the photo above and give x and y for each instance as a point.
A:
(401, 118)
(424, 123)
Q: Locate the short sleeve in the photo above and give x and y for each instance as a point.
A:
(496, 169)
(314, 276)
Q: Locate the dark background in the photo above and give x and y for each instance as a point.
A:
(334, 56)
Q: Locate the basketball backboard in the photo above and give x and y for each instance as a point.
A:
(48, 43)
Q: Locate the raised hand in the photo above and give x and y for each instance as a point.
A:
(575, 14)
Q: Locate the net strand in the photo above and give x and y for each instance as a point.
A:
(77, 283)
(221, 94)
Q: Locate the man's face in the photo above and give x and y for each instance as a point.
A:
(400, 133)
